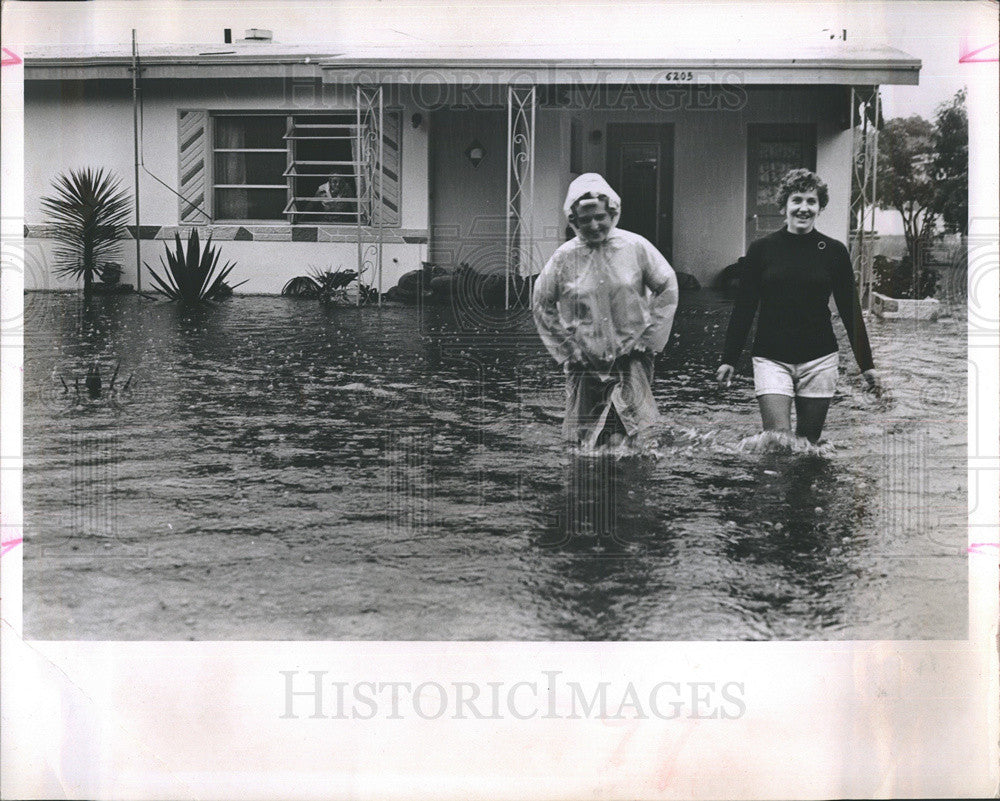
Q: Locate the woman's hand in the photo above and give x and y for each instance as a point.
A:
(724, 375)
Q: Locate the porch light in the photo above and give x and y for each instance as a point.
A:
(475, 153)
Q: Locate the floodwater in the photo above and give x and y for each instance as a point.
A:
(280, 470)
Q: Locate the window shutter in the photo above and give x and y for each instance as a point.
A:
(193, 157)
(388, 209)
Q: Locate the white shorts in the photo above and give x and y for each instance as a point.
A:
(812, 379)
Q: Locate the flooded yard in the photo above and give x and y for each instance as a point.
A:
(280, 470)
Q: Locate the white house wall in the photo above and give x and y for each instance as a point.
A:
(552, 158)
(80, 124)
(468, 203)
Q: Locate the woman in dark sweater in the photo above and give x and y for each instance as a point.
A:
(789, 275)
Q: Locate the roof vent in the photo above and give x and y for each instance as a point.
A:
(258, 35)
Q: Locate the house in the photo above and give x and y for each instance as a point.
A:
(451, 150)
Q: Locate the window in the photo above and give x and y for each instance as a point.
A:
(326, 169)
(303, 168)
(249, 165)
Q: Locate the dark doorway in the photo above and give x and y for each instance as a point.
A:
(641, 170)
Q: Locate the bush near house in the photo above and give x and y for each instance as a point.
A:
(897, 279)
(462, 287)
(923, 173)
(88, 213)
(192, 275)
(329, 287)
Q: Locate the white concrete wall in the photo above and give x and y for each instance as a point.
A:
(552, 179)
(74, 124)
(468, 202)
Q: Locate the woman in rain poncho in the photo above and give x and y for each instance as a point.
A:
(604, 305)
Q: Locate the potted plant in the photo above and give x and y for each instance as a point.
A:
(111, 274)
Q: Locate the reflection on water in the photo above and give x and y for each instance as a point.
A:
(276, 469)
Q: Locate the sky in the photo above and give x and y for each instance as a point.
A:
(937, 33)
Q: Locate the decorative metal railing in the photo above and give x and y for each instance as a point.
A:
(371, 219)
(519, 249)
(866, 110)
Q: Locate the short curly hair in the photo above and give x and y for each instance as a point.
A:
(802, 180)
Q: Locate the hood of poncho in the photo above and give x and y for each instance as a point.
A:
(590, 183)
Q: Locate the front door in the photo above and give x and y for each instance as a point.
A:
(641, 170)
(773, 150)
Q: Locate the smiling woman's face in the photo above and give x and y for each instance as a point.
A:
(801, 211)
(592, 221)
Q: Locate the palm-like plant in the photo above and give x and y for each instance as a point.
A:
(88, 211)
(192, 276)
(333, 284)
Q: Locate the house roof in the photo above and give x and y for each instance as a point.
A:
(527, 41)
(525, 63)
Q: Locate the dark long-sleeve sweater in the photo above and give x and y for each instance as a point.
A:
(790, 278)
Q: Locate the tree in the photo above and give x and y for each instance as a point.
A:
(950, 166)
(905, 181)
(88, 212)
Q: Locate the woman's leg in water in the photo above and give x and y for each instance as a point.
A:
(775, 412)
(613, 434)
(810, 414)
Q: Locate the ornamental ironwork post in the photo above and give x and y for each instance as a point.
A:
(865, 114)
(369, 160)
(519, 243)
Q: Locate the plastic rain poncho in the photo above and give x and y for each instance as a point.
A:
(602, 310)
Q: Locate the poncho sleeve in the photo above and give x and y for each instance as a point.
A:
(555, 336)
(661, 283)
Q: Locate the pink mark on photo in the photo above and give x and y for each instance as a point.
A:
(9, 58)
(9, 545)
(980, 55)
(980, 547)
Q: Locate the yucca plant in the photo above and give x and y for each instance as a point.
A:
(192, 276)
(89, 212)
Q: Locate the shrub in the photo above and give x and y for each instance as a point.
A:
(301, 287)
(193, 276)
(330, 286)
(895, 278)
(333, 284)
(88, 211)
